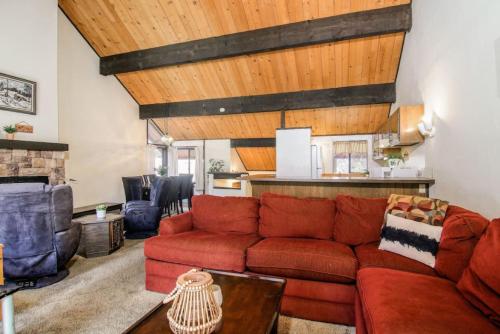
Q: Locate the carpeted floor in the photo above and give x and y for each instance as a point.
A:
(106, 295)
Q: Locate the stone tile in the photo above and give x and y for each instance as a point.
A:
(3, 169)
(32, 171)
(5, 150)
(19, 153)
(58, 155)
(60, 163)
(34, 154)
(38, 162)
(6, 157)
(59, 172)
(12, 169)
(20, 159)
(47, 154)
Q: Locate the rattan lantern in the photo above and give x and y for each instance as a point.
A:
(194, 309)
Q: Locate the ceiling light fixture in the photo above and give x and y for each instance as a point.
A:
(167, 139)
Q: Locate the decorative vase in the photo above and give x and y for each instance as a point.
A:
(101, 214)
(194, 309)
(10, 136)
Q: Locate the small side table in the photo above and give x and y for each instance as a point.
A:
(8, 310)
(100, 236)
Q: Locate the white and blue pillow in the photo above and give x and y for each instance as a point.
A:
(415, 240)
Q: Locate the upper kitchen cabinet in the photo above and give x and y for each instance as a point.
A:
(399, 130)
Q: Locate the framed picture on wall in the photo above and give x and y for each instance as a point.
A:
(17, 94)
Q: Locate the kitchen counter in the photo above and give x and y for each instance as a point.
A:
(330, 187)
(333, 179)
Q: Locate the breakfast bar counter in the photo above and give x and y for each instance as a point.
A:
(330, 187)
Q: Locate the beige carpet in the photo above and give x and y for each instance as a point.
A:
(106, 295)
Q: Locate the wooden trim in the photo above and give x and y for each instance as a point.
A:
(253, 142)
(330, 29)
(32, 145)
(309, 99)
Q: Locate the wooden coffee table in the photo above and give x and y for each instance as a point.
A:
(250, 305)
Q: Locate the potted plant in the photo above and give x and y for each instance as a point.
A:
(394, 159)
(101, 211)
(10, 131)
(162, 171)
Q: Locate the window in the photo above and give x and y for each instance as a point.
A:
(159, 157)
(350, 157)
(186, 161)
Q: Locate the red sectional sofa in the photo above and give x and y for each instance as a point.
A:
(327, 251)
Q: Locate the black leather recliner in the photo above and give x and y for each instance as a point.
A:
(37, 232)
(142, 218)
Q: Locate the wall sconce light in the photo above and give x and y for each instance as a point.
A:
(426, 127)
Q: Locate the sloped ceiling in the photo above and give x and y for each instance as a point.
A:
(117, 26)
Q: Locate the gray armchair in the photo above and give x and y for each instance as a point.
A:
(37, 232)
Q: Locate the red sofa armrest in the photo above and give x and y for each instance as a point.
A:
(176, 224)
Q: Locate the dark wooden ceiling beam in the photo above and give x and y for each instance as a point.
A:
(330, 29)
(309, 99)
(253, 142)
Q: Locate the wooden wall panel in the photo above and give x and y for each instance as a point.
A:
(258, 125)
(340, 121)
(117, 26)
(363, 61)
(332, 190)
(258, 158)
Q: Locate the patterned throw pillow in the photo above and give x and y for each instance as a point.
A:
(413, 227)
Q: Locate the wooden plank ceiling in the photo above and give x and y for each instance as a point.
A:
(117, 26)
(258, 158)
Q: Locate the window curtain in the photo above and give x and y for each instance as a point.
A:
(200, 177)
(359, 147)
(326, 151)
(344, 148)
(172, 161)
(345, 152)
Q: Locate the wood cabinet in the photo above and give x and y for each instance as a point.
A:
(100, 236)
(398, 131)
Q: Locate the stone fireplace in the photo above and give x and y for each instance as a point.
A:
(27, 162)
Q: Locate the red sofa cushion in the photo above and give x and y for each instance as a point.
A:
(225, 214)
(358, 220)
(201, 249)
(480, 282)
(320, 260)
(176, 224)
(462, 230)
(370, 256)
(400, 302)
(286, 216)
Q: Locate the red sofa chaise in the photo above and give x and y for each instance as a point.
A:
(327, 251)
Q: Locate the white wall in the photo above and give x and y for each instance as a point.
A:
(450, 62)
(28, 49)
(100, 122)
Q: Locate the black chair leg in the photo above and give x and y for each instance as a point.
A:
(180, 203)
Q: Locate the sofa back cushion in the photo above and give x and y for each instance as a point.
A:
(462, 230)
(480, 282)
(286, 216)
(225, 214)
(359, 220)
